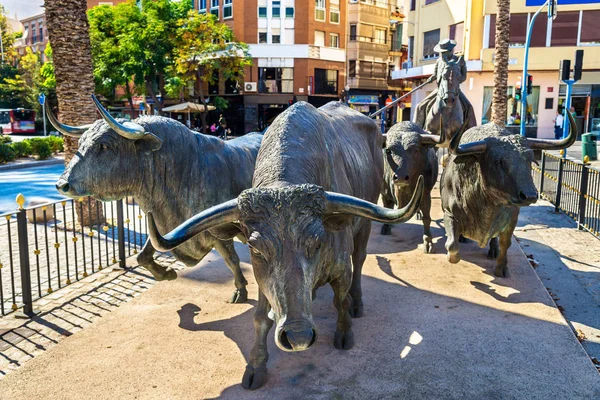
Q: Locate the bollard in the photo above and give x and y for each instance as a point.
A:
(559, 185)
(583, 185)
(23, 239)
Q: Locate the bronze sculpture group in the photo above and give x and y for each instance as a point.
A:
(303, 196)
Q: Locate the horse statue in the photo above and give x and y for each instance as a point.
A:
(446, 105)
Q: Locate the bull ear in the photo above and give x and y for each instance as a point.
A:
(148, 143)
(228, 231)
(335, 223)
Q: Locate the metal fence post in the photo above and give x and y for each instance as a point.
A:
(559, 184)
(582, 195)
(121, 233)
(22, 236)
(543, 171)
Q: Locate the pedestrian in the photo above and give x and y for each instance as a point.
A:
(213, 128)
(558, 125)
(573, 112)
(221, 131)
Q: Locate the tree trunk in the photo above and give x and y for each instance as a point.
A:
(129, 94)
(68, 32)
(203, 113)
(150, 91)
(499, 98)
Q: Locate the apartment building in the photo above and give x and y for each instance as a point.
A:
(374, 50)
(472, 24)
(298, 52)
(35, 35)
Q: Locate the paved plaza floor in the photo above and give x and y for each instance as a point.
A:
(431, 330)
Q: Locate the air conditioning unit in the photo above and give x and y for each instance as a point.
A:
(250, 87)
(406, 65)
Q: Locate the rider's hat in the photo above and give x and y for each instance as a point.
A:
(444, 45)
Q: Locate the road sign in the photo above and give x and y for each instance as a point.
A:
(42, 98)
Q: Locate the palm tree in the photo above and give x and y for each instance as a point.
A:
(68, 32)
(499, 98)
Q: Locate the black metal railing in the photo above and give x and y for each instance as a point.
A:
(572, 187)
(44, 248)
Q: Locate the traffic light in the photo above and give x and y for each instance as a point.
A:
(578, 65)
(529, 84)
(565, 70)
(518, 96)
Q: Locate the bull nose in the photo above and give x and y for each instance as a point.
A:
(528, 197)
(297, 340)
(63, 186)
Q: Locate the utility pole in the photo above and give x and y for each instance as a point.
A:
(566, 78)
(551, 14)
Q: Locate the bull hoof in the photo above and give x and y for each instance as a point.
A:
(254, 377)
(462, 239)
(492, 253)
(343, 340)
(164, 274)
(501, 271)
(386, 230)
(356, 309)
(239, 296)
(427, 247)
(453, 258)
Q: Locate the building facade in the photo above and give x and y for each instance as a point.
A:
(298, 52)
(472, 24)
(35, 35)
(374, 50)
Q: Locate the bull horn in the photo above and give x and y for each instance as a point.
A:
(129, 130)
(465, 149)
(338, 203)
(218, 215)
(550, 144)
(72, 131)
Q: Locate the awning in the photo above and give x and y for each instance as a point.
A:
(363, 99)
(187, 107)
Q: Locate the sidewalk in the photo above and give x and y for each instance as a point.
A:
(431, 330)
(32, 162)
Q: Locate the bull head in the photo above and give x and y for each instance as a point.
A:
(337, 205)
(535, 144)
(72, 131)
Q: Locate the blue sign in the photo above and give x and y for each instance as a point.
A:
(363, 99)
(42, 99)
(560, 2)
(142, 107)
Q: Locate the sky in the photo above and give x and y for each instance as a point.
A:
(23, 8)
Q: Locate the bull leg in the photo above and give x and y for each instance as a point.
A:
(386, 229)
(452, 245)
(359, 255)
(227, 251)
(255, 375)
(505, 242)
(344, 337)
(494, 249)
(146, 260)
(426, 209)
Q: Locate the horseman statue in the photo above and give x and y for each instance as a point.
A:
(446, 105)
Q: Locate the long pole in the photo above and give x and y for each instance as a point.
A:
(393, 103)
(2, 46)
(567, 109)
(44, 117)
(525, 65)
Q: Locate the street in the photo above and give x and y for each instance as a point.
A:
(35, 183)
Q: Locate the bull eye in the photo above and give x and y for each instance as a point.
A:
(104, 147)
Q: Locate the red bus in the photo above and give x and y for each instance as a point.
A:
(17, 120)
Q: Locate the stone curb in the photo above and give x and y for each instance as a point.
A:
(31, 164)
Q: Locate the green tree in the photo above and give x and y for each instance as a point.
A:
(206, 49)
(11, 95)
(136, 46)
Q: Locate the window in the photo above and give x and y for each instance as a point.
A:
(353, 32)
(427, 2)
(334, 16)
(326, 81)
(227, 9)
(34, 34)
(334, 40)
(202, 5)
(430, 39)
(411, 47)
(41, 38)
(276, 80)
(276, 39)
(319, 38)
(379, 70)
(320, 10)
(214, 8)
(276, 11)
(381, 3)
(380, 36)
(351, 68)
(518, 30)
(513, 112)
(232, 86)
(457, 32)
(413, 5)
(590, 29)
(289, 12)
(213, 88)
(262, 37)
(565, 28)
(262, 12)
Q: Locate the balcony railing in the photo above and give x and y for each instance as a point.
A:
(367, 39)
